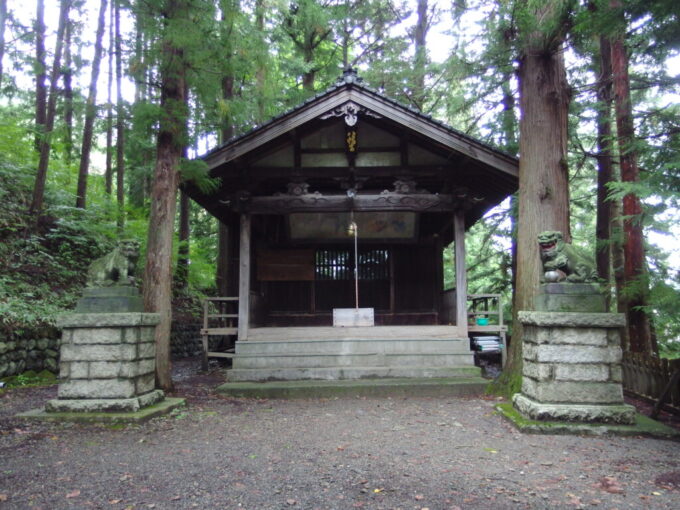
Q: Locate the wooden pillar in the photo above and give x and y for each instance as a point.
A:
(244, 278)
(461, 276)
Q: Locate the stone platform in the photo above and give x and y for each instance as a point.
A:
(107, 363)
(572, 368)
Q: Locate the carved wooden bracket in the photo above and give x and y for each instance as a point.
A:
(350, 111)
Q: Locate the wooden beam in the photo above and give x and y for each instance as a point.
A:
(285, 204)
(461, 276)
(244, 279)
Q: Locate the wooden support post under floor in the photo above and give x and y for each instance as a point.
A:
(461, 276)
(244, 279)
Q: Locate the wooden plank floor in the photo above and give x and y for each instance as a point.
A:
(349, 333)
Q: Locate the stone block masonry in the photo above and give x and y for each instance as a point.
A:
(31, 349)
(107, 362)
(572, 367)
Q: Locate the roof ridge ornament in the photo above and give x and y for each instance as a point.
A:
(350, 111)
(349, 75)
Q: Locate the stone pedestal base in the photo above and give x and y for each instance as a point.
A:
(572, 368)
(115, 299)
(107, 363)
(570, 297)
(94, 405)
(588, 413)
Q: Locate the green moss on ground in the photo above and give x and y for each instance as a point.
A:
(30, 378)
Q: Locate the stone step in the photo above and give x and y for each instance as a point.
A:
(349, 373)
(424, 387)
(349, 333)
(305, 360)
(355, 346)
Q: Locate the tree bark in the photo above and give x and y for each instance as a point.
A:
(108, 175)
(262, 61)
(222, 262)
(637, 286)
(604, 165)
(120, 124)
(182, 269)
(420, 57)
(543, 174)
(90, 111)
(3, 20)
(45, 140)
(68, 93)
(158, 272)
(40, 74)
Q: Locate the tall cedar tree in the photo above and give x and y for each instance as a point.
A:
(3, 20)
(45, 140)
(158, 271)
(108, 175)
(420, 58)
(543, 178)
(637, 287)
(120, 122)
(224, 275)
(90, 110)
(40, 73)
(68, 92)
(605, 169)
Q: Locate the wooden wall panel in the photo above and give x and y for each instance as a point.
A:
(285, 265)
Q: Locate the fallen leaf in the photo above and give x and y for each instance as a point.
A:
(291, 502)
(378, 490)
(655, 493)
(610, 484)
(73, 494)
(419, 497)
(175, 498)
(114, 501)
(3, 497)
(574, 500)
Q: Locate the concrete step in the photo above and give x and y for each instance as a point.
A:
(430, 387)
(350, 373)
(354, 346)
(305, 360)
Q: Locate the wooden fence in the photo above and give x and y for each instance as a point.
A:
(648, 377)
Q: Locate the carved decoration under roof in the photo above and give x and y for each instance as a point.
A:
(350, 111)
(405, 186)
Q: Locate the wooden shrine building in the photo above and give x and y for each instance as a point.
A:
(289, 190)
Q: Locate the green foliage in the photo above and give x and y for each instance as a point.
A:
(30, 378)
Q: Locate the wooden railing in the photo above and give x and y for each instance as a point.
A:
(648, 377)
(220, 319)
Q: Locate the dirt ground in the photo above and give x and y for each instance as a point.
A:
(412, 453)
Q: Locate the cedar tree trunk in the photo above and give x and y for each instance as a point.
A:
(45, 140)
(543, 175)
(90, 110)
(158, 272)
(637, 287)
(40, 74)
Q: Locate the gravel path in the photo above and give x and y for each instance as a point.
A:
(410, 453)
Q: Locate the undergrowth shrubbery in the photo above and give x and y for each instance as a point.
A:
(42, 264)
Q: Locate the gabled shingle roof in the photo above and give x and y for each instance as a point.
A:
(350, 80)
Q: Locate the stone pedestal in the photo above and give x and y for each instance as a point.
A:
(570, 297)
(113, 299)
(572, 368)
(107, 363)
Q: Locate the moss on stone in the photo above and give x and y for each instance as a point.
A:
(643, 426)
